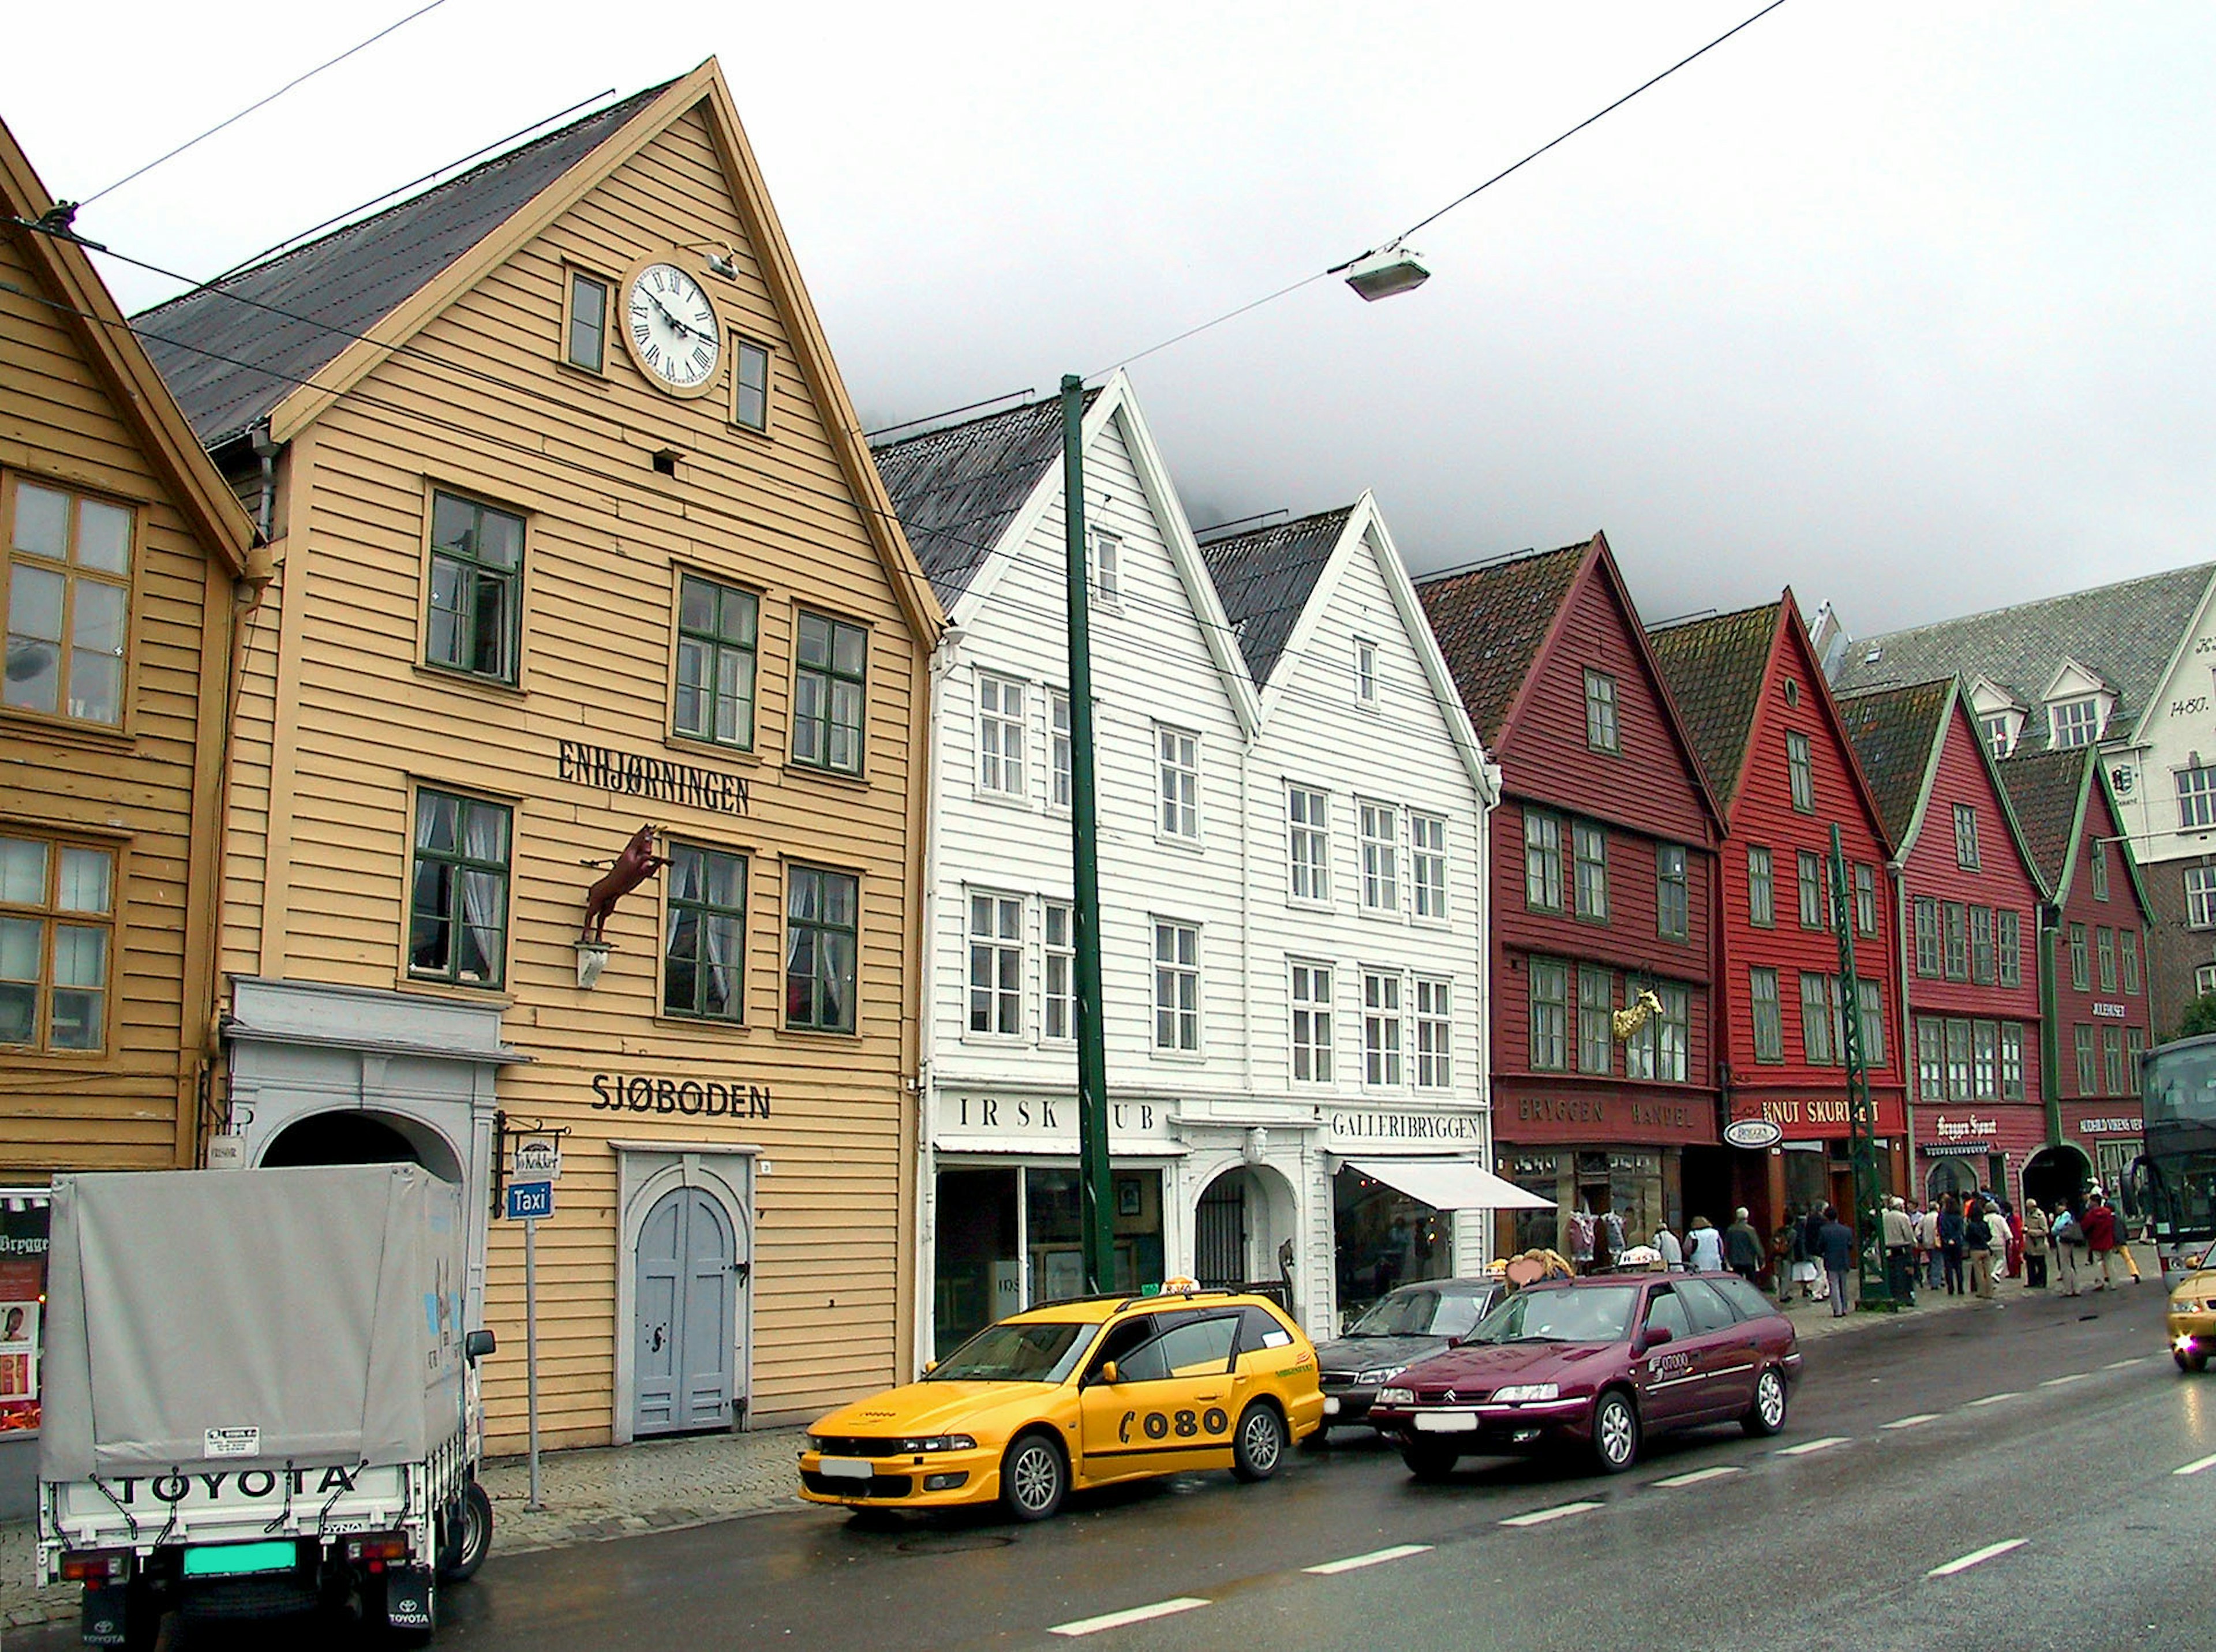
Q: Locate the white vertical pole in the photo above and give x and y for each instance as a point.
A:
(530, 1347)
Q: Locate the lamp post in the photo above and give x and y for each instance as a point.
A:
(1861, 1120)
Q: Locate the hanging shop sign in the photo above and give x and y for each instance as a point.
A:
(1752, 1132)
(659, 779)
(616, 1092)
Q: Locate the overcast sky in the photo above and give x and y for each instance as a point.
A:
(1903, 304)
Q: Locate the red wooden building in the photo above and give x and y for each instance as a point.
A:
(1966, 907)
(1603, 877)
(2093, 944)
(1777, 755)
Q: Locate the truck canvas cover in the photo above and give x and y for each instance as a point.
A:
(251, 1318)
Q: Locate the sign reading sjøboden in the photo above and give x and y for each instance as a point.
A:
(530, 1201)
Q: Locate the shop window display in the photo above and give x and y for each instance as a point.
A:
(1009, 1238)
(23, 1216)
(1381, 1237)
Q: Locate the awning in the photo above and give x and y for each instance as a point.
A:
(1450, 1184)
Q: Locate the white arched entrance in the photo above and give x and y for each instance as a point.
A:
(1246, 1228)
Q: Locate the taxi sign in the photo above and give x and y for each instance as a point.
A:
(529, 1202)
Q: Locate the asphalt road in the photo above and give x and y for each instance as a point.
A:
(2058, 1429)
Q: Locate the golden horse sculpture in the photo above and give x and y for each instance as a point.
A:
(1627, 1022)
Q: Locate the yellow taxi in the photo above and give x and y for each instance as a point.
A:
(2193, 1317)
(1077, 1394)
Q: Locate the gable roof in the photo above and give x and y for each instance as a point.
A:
(86, 308)
(1266, 577)
(234, 349)
(1896, 733)
(957, 488)
(1716, 669)
(2126, 633)
(1492, 621)
(2047, 789)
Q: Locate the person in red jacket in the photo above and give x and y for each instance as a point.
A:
(2101, 1236)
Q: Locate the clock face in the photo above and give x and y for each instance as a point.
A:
(674, 332)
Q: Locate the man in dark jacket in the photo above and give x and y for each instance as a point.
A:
(1835, 1242)
(1743, 1247)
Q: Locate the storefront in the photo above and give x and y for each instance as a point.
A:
(2112, 1136)
(1961, 1151)
(23, 1216)
(1623, 1151)
(1814, 1163)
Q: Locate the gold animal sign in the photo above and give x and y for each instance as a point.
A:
(1627, 1022)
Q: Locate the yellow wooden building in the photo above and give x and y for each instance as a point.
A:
(574, 534)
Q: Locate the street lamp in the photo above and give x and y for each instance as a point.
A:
(1389, 271)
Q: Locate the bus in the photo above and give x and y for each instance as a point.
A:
(2176, 1176)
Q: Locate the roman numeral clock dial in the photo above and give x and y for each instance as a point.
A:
(673, 334)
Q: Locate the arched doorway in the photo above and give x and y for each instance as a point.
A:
(358, 1137)
(1949, 1177)
(1243, 1229)
(2053, 1176)
(689, 1273)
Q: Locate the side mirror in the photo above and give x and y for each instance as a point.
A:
(1655, 1335)
(1109, 1374)
(930, 1365)
(476, 1344)
(1453, 1341)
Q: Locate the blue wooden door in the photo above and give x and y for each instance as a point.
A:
(686, 1301)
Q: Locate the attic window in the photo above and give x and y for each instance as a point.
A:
(1873, 656)
(2075, 723)
(1792, 691)
(664, 462)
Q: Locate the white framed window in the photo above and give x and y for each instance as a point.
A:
(1999, 730)
(2204, 980)
(1057, 748)
(1542, 862)
(1312, 1023)
(2099, 858)
(1428, 863)
(1932, 1059)
(1600, 712)
(1761, 888)
(1673, 1034)
(1308, 843)
(1434, 1034)
(1107, 569)
(2074, 723)
(1179, 752)
(1365, 673)
(1596, 1021)
(2196, 797)
(2008, 941)
(1381, 857)
(1965, 837)
(1000, 736)
(1177, 986)
(2200, 896)
(1801, 767)
(1589, 846)
(1381, 1029)
(1058, 936)
(2012, 1061)
(1673, 902)
(997, 965)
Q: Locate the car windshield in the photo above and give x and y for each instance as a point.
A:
(1034, 1351)
(1600, 1314)
(1415, 1311)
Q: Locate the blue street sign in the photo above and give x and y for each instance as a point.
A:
(529, 1201)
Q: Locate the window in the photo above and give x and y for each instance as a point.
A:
(2081, 977)
(458, 909)
(2112, 1060)
(1550, 1016)
(1956, 929)
(1596, 1023)
(1428, 863)
(2204, 980)
(1180, 782)
(1866, 900)
(1761, 889)
(2200, 896)
(587, 343)
(1365, 672)
(2104, 942)
(2088, 1083)
(2007, 928)
(1059, 952)
(1542, 863)
(2134, 1051)
(1981, 945)
(57, 934)
(2127, 951)
(1311, 1028)
(1673, 1033)
(1672, 909)
(820, 935)
(1591, 845)
(1816, 1020)
(1381, 865)
(2097, 854)
(1958, 1061)
(1177, 987)
(828, 685)
(1927, 937)
(1600, 712)
(749, 385)
(996, 965)
(1931, 1059)
(1307, 815)
(716, 636)
(1381, 1029)
(1870, 998)
(1434, 1034)
(2011, 1061)
(1812, 889)
(2196, 797)
(1057, 748)
(477, 588)
(1769, 1023)
(1107, 568)
(1985, 1058)
(2075, 723)
(1000, 736)
(704, 948)
(1965, 837)
(1802, 769)
(1999, 730)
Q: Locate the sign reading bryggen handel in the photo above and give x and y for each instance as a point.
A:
(655, 778)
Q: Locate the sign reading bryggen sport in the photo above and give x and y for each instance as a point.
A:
(616, 1092)
(659, 779)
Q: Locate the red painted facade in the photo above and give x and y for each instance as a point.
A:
(2101, 1117)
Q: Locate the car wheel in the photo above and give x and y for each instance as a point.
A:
(471, 1538)
(1319, 1439)
(1430, 1464)
(1615, 1433)
(1259, 1444)
(1034, 1477)
(1767, 1415)
(2195, 1360)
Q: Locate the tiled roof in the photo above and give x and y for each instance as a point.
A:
(1265, 578)
(1893, 730)
(1491, 623)
(229, 362)
(956, 488)
(1715, 668)
(2044, 789)
(2125, 632)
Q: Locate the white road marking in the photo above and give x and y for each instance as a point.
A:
(2197, 1466)
(1375, 1557)
(1995, 1400)
(1540, 1516)
(2074, 1377)
(1808, 1445)
(2119, 1365)
(1916, 1422)
(1134, 1615)
(1975, 1557)
(1698, 1475)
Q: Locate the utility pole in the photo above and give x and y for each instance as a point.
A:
(1095, 1213)
(1861, 1120)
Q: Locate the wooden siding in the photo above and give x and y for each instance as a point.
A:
(2073, 1008)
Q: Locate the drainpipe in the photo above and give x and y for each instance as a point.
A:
(2050, 1032)
(1910, 1055)
(943, 662)
(267, 452)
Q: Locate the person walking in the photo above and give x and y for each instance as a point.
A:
(1927, 1244)
(1704, 1248)
(1743, 1247)
(1784, 1256)
(1835, 1242)
(1978, 1248)
(2102, 1236)
(1899, 1249)
(1950, 1244)
(1672, 1253)
(2035, 1225)
(2068, 1238)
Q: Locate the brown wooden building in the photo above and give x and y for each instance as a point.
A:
(575, 533)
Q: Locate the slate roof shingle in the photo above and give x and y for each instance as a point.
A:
(1716, 669)
(2125, 632)
(1491, 623)
(956, 488)
(1892, 731)
(1265, 579)
(2043, 789)
(229, 362)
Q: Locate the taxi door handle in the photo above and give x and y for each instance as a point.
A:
(1207, 1397)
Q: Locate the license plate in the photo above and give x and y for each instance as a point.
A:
(1446, 1422)
(847, 1468)
(1330, 1405)
(236, 1559)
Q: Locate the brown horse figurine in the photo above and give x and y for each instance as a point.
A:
(633, 867)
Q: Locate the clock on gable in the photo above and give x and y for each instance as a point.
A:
(672, 329)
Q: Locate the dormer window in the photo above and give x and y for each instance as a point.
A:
(2074, 723)
(2000, 731)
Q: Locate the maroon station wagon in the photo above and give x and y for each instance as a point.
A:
(1597, 1363)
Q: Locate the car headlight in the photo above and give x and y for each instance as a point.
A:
(1382, 1374)
(1523, 1391)
(1397, 1397)
(940, 1443)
